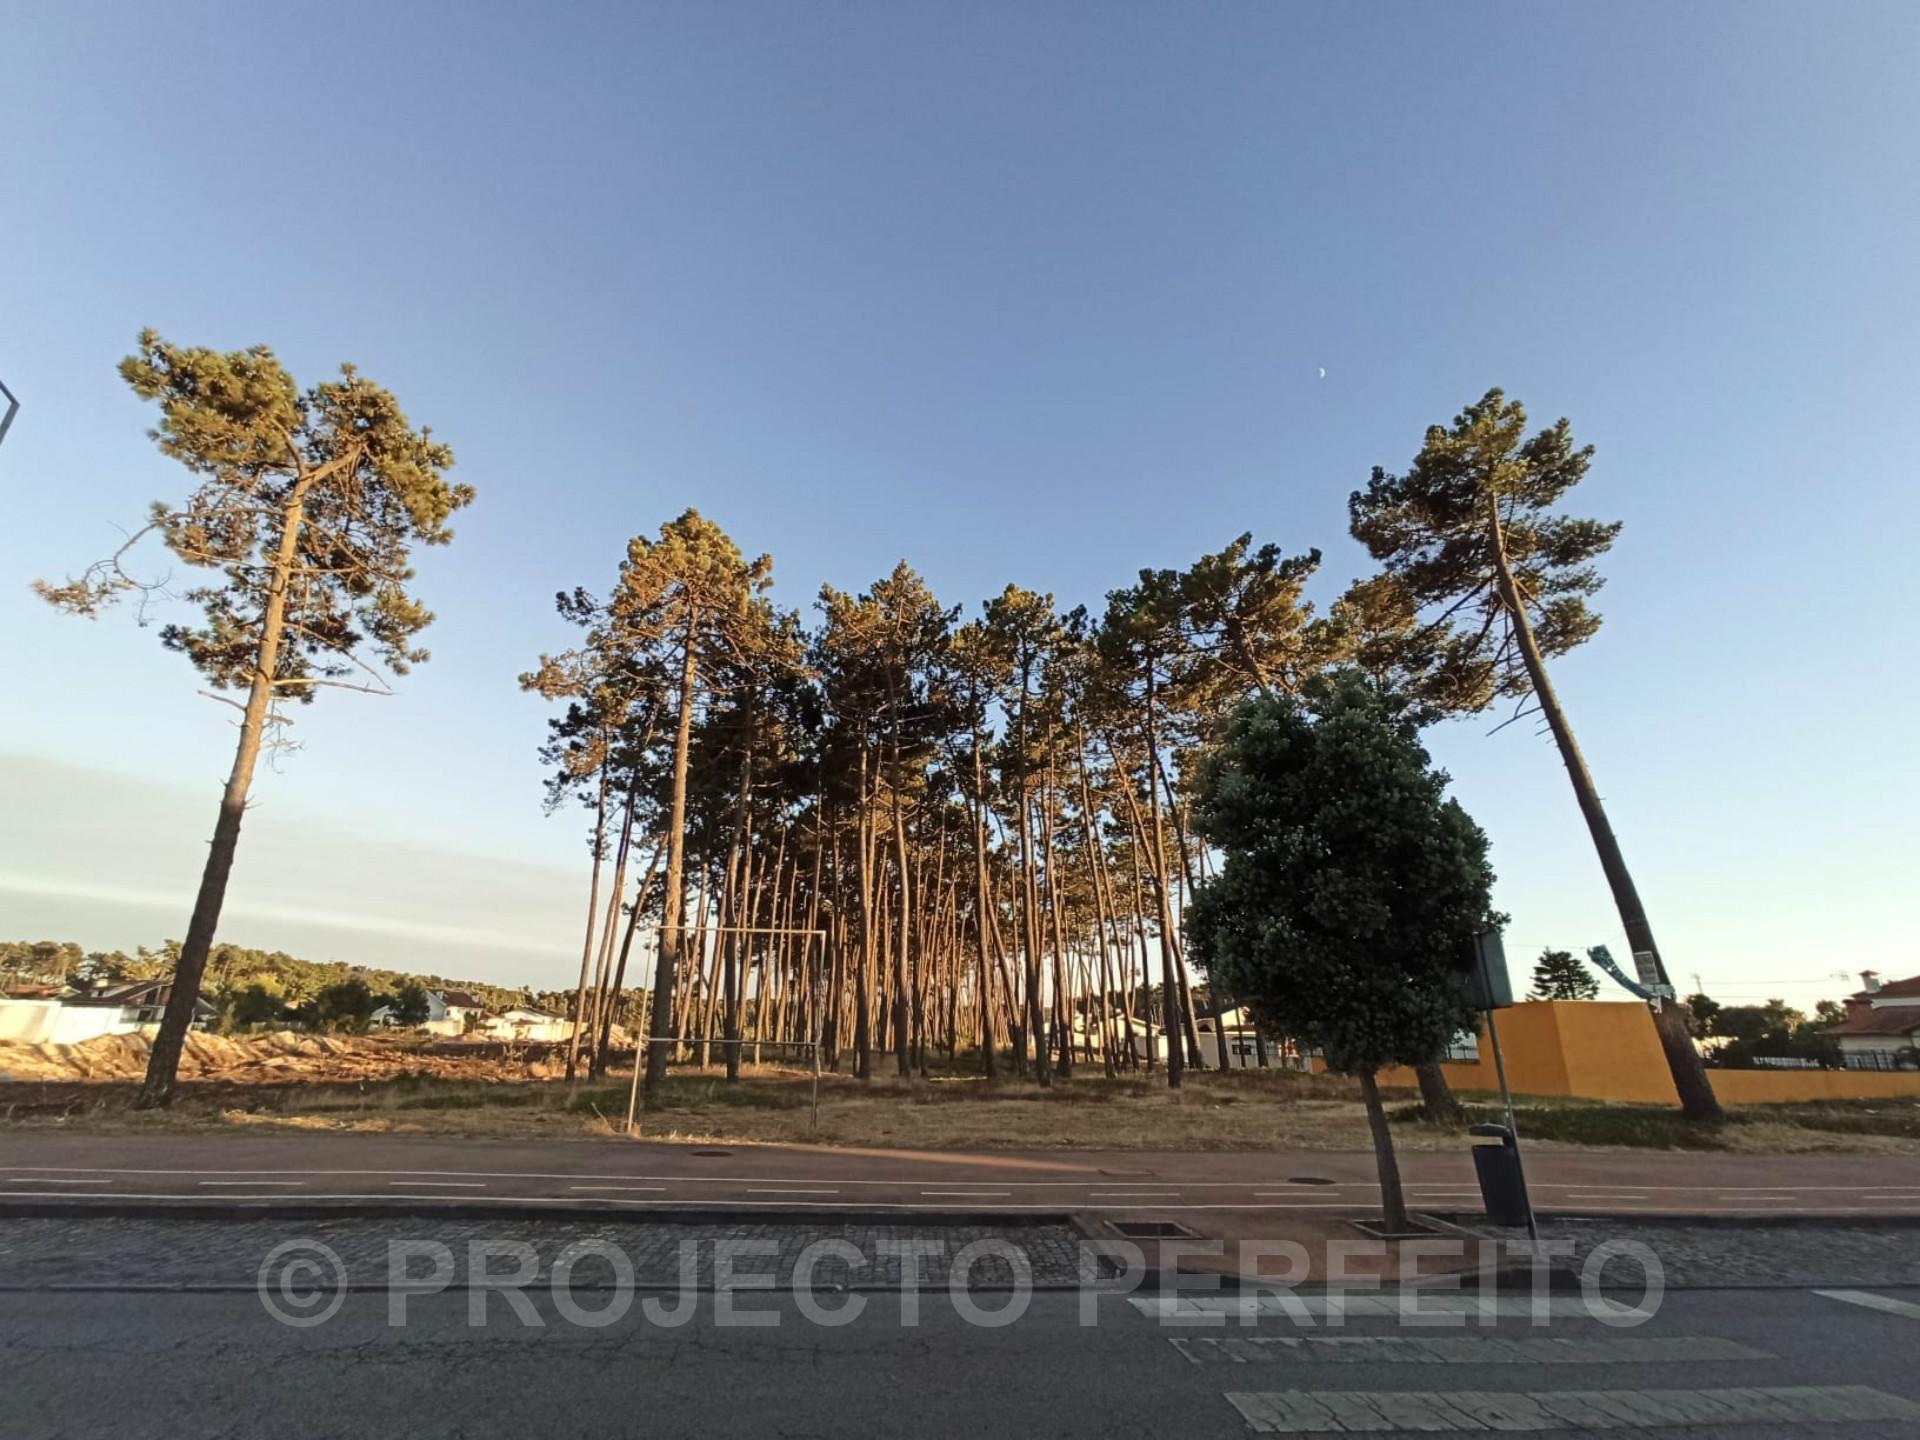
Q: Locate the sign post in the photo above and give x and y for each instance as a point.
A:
(1493, 990)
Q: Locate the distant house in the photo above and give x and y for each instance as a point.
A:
(527, 1022)
(460, 1013)
(447, 1013)
(48, 1016)
(1880, 1029)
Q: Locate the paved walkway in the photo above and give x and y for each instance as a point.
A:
(603, 1175)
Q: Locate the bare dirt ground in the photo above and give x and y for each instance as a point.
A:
(411, 1087)
(280, 1056)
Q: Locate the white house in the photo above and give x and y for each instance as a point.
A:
(459, 1013)
(70, 1017)
(526, 1022)
(1881, 1022)
(448, 1012)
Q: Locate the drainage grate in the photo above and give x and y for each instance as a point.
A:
(1152, 1230)
(710, 1154)
(1308, 1180)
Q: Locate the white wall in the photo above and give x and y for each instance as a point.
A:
(48, 1022)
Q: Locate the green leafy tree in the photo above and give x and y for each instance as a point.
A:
(1469, 540)
(1774, 1030)
(251, 1005)
(1350, 886)
(305, 510)
(1701, 1012)
(346, 1006)
(1751, 1022)
(410, 1006)
(1559, 975)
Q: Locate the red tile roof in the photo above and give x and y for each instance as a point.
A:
(1896, 989)
(1894, 1020)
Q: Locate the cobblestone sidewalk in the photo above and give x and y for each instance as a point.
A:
(1713, 1256)
(161, 1252)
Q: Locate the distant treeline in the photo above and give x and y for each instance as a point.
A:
(249, 988)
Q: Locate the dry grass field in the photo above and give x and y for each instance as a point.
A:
(391, 1092)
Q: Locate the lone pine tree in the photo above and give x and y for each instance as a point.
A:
(1468, 538)
(305, 510)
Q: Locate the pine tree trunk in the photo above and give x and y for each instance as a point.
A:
(1171, 988)
(163, 1063)
(903, 957)
(1697, 1100)
(983, 921)
(1393, 1200)
(599, 1066)
(740, 901)
(863, 975)
(1029, 901)
(1096, 868)
(593, 917)
(659, 1049)
(603, 969)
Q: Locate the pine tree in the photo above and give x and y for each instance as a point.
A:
(1558, 975)
(307, 506)
(1468, 539)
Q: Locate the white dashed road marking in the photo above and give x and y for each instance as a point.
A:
(250, 1184)
(1324, 1412)
(1463, 1350)
(442, 1184)
(623, 1189)
(51, 1180)
(1871, 1301)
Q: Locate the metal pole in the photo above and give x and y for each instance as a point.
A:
(639, 1054)
(1513, 1129)
(13, 408)
(817, 992)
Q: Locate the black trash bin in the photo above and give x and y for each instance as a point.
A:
(1496, 1160)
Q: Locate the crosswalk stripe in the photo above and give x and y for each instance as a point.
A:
(1327, 1412)
(1874, 1302)
(1462, 1350)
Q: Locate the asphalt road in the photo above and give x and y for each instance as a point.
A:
(1708, 1364)
(364, 1170)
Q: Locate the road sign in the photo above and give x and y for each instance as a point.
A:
(1491, 986)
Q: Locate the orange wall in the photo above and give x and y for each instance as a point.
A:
(1608, 1050)
(1779, 1087)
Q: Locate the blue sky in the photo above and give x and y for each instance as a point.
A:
(1032, 292)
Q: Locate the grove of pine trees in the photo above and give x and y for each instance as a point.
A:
(990, 814)
(901, 826)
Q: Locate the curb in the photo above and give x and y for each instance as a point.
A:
(402, 1208)
(1747, 1220)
